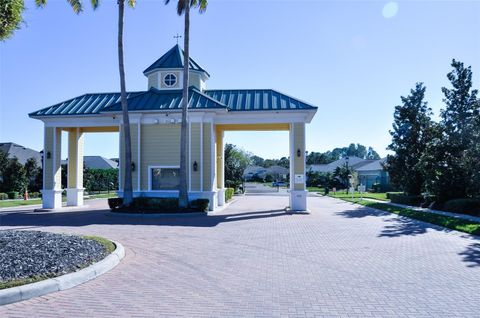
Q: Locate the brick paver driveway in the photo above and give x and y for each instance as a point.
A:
(254, 260)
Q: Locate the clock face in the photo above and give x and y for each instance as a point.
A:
(170, 80)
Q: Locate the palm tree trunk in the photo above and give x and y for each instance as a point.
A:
(183, 190)
(127, 187)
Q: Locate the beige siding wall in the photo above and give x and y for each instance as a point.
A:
(195, 156)
(153, 80)
(207, 157)
(160, 147)
(299, 143)
(134, 143)
(195, 80)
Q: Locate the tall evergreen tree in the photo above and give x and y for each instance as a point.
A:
(410, 136)
(450, 171)
(14, 176)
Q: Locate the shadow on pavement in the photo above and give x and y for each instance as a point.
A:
(472, 255)
(29, 219)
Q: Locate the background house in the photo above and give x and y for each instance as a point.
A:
(96, 162)
(368, 172)
(22, 153)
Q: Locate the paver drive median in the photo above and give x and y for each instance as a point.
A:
(252, 259)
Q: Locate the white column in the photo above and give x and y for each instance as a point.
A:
(75, 167)
(220, 168)
(52, 177)
(298, 193)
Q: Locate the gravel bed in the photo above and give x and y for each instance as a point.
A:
(27, 254)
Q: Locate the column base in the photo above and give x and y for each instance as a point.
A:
(221, 197)
(74, 197)
(298, 200)
(52, 199)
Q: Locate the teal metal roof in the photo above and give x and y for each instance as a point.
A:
(87, 104)
(174, 59)
(257, 99)
(157, 100)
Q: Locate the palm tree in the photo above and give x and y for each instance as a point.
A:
(77, 8)
(183, 6)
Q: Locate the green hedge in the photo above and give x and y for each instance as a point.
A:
(229, 193)
(13, 195)
(464, 206)
(157, 205)
(3, 196)
(412, 200)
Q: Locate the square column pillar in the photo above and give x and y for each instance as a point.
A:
(298, 193)
(75, 167)
(220, 164)
(52, 177)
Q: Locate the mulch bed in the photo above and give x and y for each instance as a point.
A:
(30, 254)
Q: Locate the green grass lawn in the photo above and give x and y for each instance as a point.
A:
(316, 189)
(457, 224)
(344, 195)
(14, 203)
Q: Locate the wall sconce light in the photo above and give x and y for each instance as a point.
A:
(299, 153)
(195, 166)
(49, 155)
(133, 166)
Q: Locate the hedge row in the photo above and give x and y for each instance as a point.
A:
(157, 205)
(412, 200)
(465, 206)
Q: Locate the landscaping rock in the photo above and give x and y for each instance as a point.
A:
(28, 254)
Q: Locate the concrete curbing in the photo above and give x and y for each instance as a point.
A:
(24, 292)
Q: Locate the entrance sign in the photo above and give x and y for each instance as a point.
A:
(299, 178)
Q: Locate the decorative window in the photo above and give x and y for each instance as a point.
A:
(165, 178)
(170, 80)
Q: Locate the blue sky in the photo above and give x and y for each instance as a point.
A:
(353, 59)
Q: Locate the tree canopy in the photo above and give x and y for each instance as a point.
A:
(10, 17)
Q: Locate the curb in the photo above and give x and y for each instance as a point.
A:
(51, 285)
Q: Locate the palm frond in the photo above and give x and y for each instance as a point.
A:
(76, 5)
(95, 4)
(180, 7)
(40, 3)
(200, 4)
(132, 3)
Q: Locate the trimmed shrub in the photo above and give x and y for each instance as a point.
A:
(229, 193)
(464, 206)
(34, 195)
(200, 204)
(389, 193)
(115, 203)
(156, 204)
(13, 195)
(3, 196)
(412, 200)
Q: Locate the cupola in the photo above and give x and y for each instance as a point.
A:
(167, 72)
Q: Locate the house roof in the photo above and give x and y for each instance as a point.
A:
(155, 99)
(97, 162)
(373, 165)
(174, 59)
(14, 150)
(257, 99)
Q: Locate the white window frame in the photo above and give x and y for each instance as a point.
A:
(165, 77)
(150, 178)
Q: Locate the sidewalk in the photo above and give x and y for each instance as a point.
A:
(416, 208)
